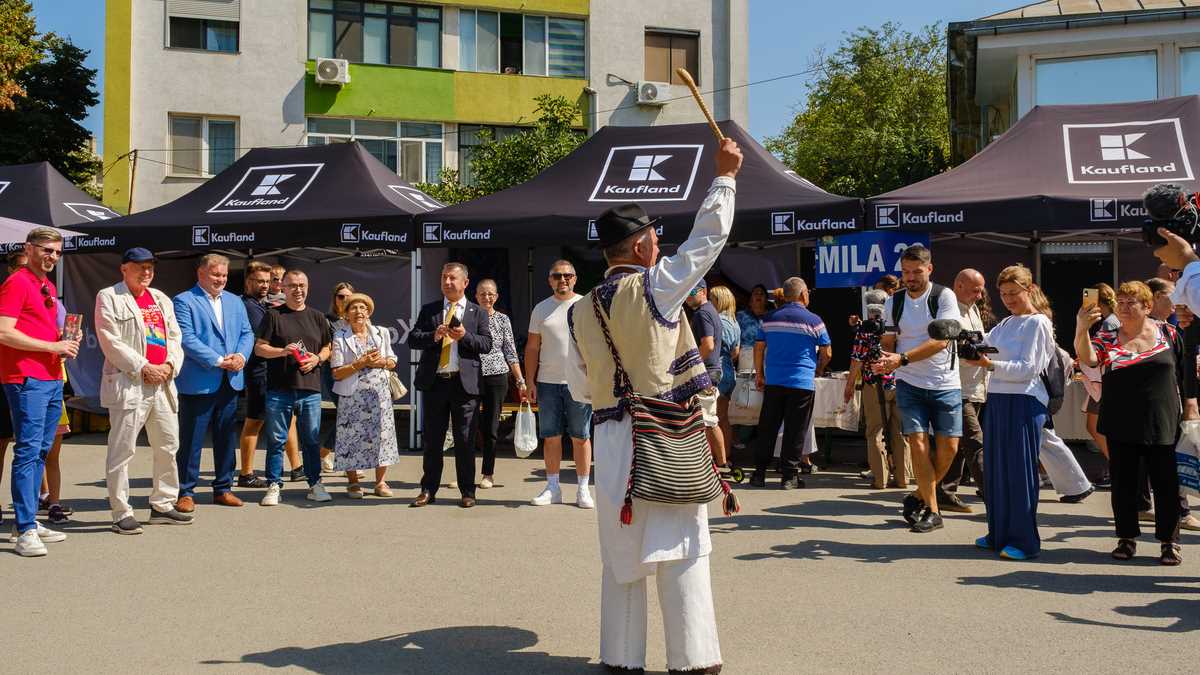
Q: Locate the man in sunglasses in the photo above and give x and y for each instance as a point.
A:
(546, 368)
(31, 353)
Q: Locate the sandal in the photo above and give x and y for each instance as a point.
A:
(1125, 549)
(1171, 554)
(382, 490)
(354, 491)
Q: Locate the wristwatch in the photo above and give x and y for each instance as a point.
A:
(520, 384)
(903, 359)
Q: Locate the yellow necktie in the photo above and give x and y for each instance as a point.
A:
(444, 359)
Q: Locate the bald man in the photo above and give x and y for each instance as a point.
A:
(969, 289)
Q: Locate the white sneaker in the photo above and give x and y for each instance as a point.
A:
(46, 535)
(327, 463)
(486, 483)
(547, 497)
(584, 499)
(318, 493)
(272, 496)
(1189, 522)
(29, 544)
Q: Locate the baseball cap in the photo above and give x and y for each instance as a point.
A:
(138, 254)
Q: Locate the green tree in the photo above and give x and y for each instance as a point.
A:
(501, 164)
(19, 48)
(45, 124)
(875, 118)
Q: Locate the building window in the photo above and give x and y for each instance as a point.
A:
(469, 139)
(375, 32)
(1108, 78)
(411, 149)
(493, 42)
(210, 35)
(1189, 72)
(200, 145)
(668, 50)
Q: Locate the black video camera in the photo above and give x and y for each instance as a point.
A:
(968, 344)
(1169, 206)
(871, 326)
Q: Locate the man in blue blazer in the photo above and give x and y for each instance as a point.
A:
(217, 342)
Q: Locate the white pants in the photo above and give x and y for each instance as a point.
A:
(161, 422)
(1064, 471)
(689, 621)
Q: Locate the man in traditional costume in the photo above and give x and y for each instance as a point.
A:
(642, 297)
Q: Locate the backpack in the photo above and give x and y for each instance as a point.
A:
(1054, 378)
(935, 294)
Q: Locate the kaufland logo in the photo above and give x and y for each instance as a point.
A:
(592, 234)
(824, 224)
(1108, 209)
(887, 215)
(783, 223)
(268, 188)
(648, 173)
(203, 235)
(4, 185)
(91, 212)
(355, 233)
(420, 201)
(83, 242)
(435, 233)
(1150, 151)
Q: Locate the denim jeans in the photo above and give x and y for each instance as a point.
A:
(306, 406)
(36, 407)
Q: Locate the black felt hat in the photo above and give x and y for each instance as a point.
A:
(620, 222)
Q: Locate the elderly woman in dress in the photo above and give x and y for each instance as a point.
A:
(495, 366)
(366, 427)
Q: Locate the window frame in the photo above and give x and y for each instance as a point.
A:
(204, 33)
(398, 139)
(388, 16)
(1080, 54)
(673, 34)
(473, 13)
(205, 149)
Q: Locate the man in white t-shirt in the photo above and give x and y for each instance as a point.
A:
(928, 389)
(545, 370)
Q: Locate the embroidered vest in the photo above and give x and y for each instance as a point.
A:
(659, 355)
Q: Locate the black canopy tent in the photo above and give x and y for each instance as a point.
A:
(38, 193)
(667, 169)
(332, 200)
(1066, 168)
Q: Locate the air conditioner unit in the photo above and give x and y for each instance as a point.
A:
(653, 93)
(333, 71)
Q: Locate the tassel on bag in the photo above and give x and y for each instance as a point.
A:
(730, 504)
(627, 508)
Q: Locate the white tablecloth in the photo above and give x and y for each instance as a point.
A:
(828, 411)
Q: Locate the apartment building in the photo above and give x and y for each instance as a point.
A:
(191, 84)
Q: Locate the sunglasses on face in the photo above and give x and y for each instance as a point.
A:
(562, 275)
(47, 251)
(46, 297)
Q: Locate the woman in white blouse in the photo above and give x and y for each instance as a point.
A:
(1016, 412)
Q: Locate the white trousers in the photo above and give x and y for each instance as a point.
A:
(689, 621)
(1064, 471)
(161, 422)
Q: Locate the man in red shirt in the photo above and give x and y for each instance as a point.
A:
(31, 354)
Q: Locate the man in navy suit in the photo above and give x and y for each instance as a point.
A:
(451, 333)
(217, 342)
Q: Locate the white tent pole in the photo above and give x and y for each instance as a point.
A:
(415, 306)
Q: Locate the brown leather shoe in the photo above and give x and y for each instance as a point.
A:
(422, 499)
(226, 499)
(185, 505)
(466, 502)
(711, 670)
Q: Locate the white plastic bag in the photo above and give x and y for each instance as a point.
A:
(745, 402)
(525, 439)
(1187, 458)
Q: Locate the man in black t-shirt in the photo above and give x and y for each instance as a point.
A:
(294, 340)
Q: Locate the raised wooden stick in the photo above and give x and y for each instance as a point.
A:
(691, 85)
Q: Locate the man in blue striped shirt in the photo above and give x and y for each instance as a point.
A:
(792, 348)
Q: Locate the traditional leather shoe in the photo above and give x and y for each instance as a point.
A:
(422, 499)
(467, 502)
(622, 670)
(185, 505)
(711, 670)
(226, 499)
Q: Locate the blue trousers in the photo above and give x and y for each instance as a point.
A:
(1012, 436)
(282, 404)
(198, 413)
(36, 407)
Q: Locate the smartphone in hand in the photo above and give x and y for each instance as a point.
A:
(1091, 297)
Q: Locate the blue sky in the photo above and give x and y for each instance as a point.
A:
(784, 35)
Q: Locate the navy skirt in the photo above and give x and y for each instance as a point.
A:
(1012, 434)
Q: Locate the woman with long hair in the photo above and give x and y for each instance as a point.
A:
(1108, 321)
(336, 316)
(1016, 413)
(1142, 365)
(731, 341)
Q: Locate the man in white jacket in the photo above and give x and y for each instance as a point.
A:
(644, 296)
(143, 352)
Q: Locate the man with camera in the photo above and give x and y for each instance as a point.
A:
(884, 435)
(968, 461)
(1173, 224)
(929, 392)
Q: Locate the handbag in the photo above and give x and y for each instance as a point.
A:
(396, 387)
(745, 402)
(672, 463)
(1187, 457)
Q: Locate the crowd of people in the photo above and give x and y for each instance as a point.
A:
(940, 411)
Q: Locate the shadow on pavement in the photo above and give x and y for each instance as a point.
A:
(888, 553)
(1186, 614)
(458, 649)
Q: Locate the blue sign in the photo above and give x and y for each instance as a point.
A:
(850, 260)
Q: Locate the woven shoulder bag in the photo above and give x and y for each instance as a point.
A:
(672, 463)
